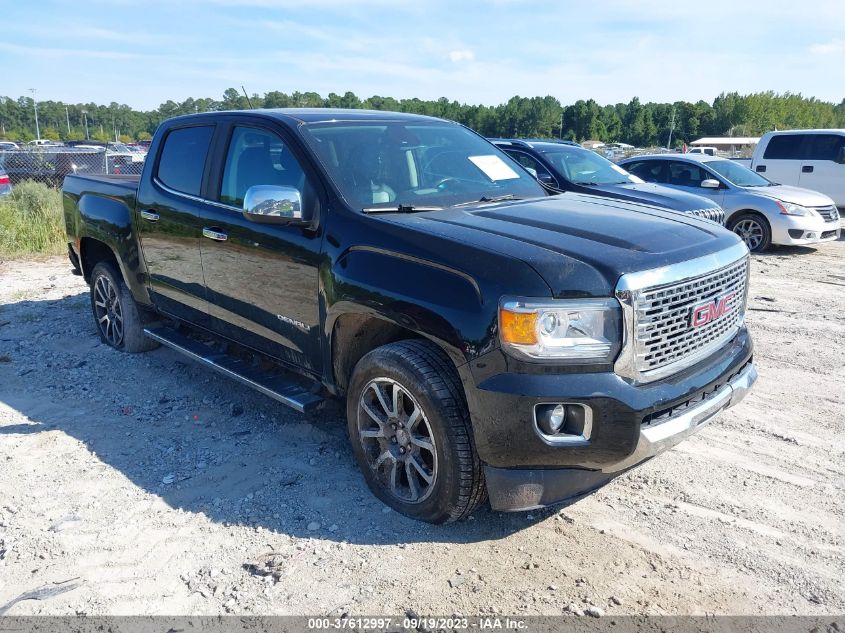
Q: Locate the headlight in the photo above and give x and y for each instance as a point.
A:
(787, 208)
(570, 330)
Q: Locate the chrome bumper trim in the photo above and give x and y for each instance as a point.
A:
(664, 436)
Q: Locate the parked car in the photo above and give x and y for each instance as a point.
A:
(487, 338)
(7, 145)
(813, 159)
(41, 142)
(568, 168)
(710, 151)
(759, 211)
(5, 183)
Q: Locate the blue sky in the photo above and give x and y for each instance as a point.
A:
(144, 52)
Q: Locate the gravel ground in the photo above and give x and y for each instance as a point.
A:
(146, 484)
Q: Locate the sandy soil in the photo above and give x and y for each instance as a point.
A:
(148, 485)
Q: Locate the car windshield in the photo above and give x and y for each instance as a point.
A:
(408, 164)
(738, 174)
(584, 167)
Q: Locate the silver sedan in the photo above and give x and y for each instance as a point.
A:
(756, 209)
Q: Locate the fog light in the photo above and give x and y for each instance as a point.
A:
(563, 423)
(550, 418)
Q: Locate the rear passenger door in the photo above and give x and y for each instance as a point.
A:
(781, 162)
(262, 279)
(169, 224)
(820, 170)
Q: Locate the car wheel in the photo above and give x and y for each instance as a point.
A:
(118, 318)
(410, 431)
(754, 230)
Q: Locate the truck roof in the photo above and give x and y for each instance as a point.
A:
(320, 115)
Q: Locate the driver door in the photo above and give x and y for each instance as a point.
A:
(688, 177)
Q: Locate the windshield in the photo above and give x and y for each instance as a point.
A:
(393, 164)
(738, 174)
(584, 167)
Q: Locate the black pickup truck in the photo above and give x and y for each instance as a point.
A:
(489, 340)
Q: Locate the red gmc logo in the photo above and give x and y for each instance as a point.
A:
(707, 312)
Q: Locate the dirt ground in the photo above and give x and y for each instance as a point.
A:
(146, 484)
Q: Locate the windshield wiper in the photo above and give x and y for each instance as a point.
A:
(508, 196)
(402, 208)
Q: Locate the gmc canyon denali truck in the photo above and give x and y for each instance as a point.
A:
(490, 340)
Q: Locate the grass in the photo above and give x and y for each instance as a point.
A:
(32, 221)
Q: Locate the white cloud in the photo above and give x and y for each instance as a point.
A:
(461, 55)
(828, 48)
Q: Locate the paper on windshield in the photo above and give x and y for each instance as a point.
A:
(494, 167)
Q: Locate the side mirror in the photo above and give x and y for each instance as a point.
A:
(271, 204)
(531, 171)
(546, 178)
(711, 183)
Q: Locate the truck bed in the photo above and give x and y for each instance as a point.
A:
(107, 185)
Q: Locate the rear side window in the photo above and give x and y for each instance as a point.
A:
(785, 147)
(824, 146)
(183, 158)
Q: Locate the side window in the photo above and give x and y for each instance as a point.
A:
(686, 174)
(785, 147)
(824, 146)
(182, 160)
(648, 170)
(529, 162)
(257, 157)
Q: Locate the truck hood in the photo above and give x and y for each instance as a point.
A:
(579, 244)
(658, 195)
(794, 195)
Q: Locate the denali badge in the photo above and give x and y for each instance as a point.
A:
(712, 310)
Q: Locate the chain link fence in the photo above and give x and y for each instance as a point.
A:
(50, 165)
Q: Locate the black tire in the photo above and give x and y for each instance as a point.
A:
(118, 318)
(754, 230)
(422, 371)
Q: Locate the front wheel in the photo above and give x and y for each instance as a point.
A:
(410, 432)
(754, 230)
(118, 317)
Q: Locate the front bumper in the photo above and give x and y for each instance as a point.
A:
(527, 489)
(799, 230)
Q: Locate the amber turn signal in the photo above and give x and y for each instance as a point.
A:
(519, 328)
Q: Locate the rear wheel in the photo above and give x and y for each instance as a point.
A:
(410, 432)
(754, 230)
(118, 317)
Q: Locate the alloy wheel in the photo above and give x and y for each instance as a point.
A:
(397, 440)
(108, 310)
(751, 232)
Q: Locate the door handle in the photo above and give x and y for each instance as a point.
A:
(150, 216)
(214, 234)
(761, 168)
(807, 169)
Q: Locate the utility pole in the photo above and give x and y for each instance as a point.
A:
(85, 114)
(67, 116)
(35, 106)
(560, 136)
(671, 129)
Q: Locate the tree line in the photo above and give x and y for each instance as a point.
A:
(641, 124)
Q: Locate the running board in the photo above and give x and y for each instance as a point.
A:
(270, 384)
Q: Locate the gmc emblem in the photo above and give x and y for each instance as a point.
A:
(712, 310)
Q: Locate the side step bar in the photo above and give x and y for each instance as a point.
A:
(270, 384)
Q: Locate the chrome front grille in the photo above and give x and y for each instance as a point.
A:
(715, 214)
(828, 213)
(678, 315)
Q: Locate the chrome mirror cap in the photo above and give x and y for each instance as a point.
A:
(273, 203)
